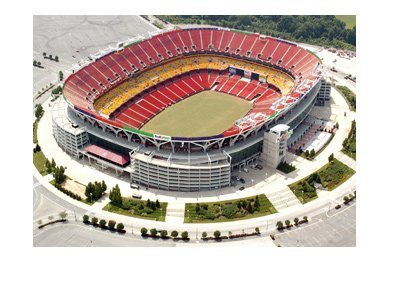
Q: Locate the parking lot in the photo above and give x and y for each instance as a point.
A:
(337, 230)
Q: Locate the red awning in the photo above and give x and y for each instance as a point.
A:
(108, 155)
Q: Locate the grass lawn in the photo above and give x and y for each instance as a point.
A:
(331, 175)
(349, 20)
(334, 174)
(349, 144)
(218, 209)
(39, 161)
(204, 114)
(135, 211)
(348, 95)
(35, 126)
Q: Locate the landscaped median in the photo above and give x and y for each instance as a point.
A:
(329, 177)
(239, 209)
(139, 208)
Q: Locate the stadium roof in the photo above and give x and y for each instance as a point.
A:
(108, 155)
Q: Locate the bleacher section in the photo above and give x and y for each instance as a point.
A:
(133, 77)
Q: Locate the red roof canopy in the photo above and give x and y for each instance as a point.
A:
(108, 155)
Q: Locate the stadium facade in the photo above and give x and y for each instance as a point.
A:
(109, 98)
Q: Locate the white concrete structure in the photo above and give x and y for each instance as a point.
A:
(275, 145)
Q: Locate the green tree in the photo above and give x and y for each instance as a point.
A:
(115, 195)
(143, 231)
(346, 199)
(102, 223)
(120, 226)
(204, 234)
(158, 204)
(50, 217)
(111, 224)
(153, 232)
(287, 222)
(279, 224)
(257, 203)
(85, 218)
(330, 158)
(164, 233)
(257, 230)
(39, 64)
(39, 111)
(185, 235)
(95, 220)
(174, 233)
(89, 191)
(56, 58)
(197, 209)
(312, 153)
(34, 63)
(296, 220)
(63, 214)
(53, 163)
(217, 234)
(59, 175)
(44, 54)
(305, 218)
(48, 166)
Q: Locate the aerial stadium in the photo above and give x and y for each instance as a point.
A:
(179, 110)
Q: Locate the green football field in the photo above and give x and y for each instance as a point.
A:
(204, 114)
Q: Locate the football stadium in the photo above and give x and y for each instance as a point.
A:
(179, 110)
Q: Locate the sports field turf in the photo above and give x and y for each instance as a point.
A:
(204, 114)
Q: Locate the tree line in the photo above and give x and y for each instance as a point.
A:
(324, 30)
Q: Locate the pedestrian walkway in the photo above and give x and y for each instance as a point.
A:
(101, 203)
(175, 212)
(346, 160)
(283, 198)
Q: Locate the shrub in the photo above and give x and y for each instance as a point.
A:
(185, 235)
(174, 233)
(143, 231)
(153, 232)
(279, 224)
(94, 220)
(257, 230)
(85, 218)
(296, 220)
(217, 234)
(120, 226)
(111, 224)
(63, 214)
(164, 233)
(204, 234)
(103, 223)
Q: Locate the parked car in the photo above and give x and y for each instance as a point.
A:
(259, 167)
(134, 186)
(242, 180)
(241, 188)
(136, 196)
(245, 170)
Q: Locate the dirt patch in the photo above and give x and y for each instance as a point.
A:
(75, 187)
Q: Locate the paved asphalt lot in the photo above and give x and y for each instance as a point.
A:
(337, 230)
